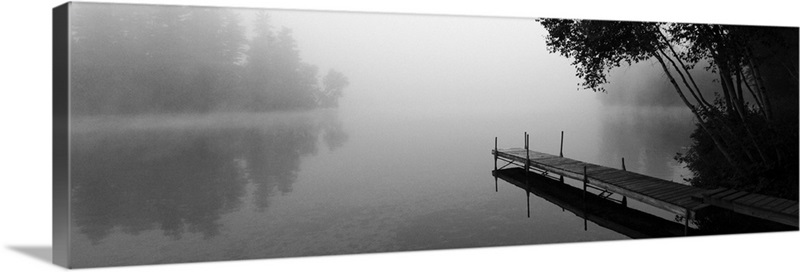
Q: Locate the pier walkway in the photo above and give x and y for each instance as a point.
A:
(677, 198)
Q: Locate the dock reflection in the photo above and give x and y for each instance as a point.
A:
(603, 212)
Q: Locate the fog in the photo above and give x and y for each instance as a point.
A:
(449, 66)
(414, 62)
(197, 132)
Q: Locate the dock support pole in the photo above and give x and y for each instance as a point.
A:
(527, 161)
(585, 180)
(528, 196)
(686, 223)
(495, 153)
(495, 164)
(624, 198)
(527, 151)
(623, 164)
(561, 154)
(527, 167)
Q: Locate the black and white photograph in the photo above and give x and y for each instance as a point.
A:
(198, 136)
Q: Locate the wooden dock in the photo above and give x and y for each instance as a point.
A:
(667, 195)
(677, 198)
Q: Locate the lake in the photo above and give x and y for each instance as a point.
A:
(377, 178)
(203, 134)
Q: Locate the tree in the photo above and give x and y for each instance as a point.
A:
(332, 85)
(277, 78)
(295, 81)
(131, 59)
(259, 71)
(739, 124)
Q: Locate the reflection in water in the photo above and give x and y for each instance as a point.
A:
(182, 178)
(647, 137)
(646, 122)
(589, 206)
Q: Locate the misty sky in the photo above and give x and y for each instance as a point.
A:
(421, 62)
(445, 66)
(414, 62)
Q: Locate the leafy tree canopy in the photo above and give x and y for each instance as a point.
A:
(744, 138)
(597, 46)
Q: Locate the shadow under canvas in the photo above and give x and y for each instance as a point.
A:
(42, 253)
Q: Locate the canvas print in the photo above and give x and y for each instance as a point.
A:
(190, 133)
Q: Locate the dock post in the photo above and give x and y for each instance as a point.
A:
(527, 167)
(527, 162)
(525, 140)
(527, 152)
(495, 153)
(561, 154)
(624, 198)
(623, 164)
(686, 223)
(495, 164)
(585, 180)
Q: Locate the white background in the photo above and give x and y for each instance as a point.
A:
(25, 169)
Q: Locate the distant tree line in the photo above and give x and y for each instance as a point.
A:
(129, 59)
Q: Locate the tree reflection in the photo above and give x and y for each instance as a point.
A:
(182, 180)
(273, 159)
(648, 139)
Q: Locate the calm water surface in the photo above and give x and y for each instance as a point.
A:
(157, 189)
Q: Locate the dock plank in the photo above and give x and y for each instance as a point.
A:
(791, 210)
(623, 178)
(553, 161)
(785, 205)
(664, 190)
(567, 163)
(731, 197)
(765, 201)
(643, 185)
(747, 198)
(612, 176)
(685, 196)
(714, 191)
(635, 182)
(755, 198)
(659, 191)
(774, 205)
(602, 172)
(677, 196)
(723, 193)
(682, 192)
